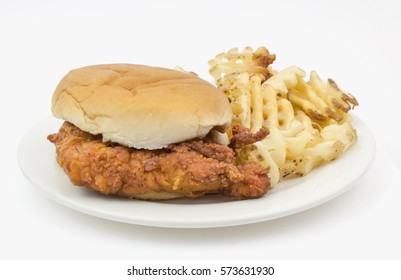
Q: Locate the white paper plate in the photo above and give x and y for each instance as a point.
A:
(36, 157)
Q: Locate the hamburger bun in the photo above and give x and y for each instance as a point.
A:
(140, 106)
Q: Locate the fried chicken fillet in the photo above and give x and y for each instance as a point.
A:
(191, 168)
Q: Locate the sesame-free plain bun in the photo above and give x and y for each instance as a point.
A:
(140, 106)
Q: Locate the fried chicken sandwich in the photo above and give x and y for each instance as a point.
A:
(150, 133)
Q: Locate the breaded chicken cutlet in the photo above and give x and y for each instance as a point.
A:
(191, 169)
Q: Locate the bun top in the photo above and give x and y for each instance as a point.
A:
(140, 106)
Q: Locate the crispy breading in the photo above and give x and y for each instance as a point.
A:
(191, 168)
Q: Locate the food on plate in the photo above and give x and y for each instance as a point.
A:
(154, 133)
(308, 121)
(151, 133)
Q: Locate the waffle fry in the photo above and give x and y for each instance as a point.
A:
(308, 121)
(286, 79)
(321, 101)
(246, 61)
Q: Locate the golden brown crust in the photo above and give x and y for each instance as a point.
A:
(190, 169)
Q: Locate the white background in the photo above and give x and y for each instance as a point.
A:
(357, 43)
